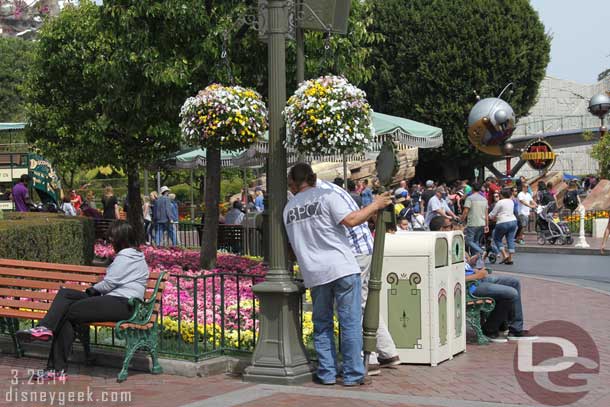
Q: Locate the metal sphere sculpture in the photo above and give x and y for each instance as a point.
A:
(490, 123)
(599, 105)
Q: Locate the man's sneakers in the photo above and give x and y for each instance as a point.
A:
(390, 362)
(522, 335)
(373, 369)
(39, 333)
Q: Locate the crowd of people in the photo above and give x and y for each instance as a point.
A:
(495, 213)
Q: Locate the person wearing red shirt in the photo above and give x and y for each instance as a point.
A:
(492, 188)
(76, 200)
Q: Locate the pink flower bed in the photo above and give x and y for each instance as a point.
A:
(179, 300)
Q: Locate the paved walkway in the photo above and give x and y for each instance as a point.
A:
(481, 377)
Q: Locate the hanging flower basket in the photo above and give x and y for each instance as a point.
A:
(328, 116)
(231, 117)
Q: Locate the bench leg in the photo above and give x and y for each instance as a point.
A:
(152, 346)
(13, 326)
(136, 339)
(130, 349)
(474, 320)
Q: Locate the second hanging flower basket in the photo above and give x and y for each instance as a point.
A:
(328, 116)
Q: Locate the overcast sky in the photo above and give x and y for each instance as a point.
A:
(580, 47)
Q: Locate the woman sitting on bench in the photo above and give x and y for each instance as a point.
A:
(106, 301)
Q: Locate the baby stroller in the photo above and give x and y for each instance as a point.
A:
(550, 230)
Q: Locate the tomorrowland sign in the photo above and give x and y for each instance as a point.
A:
(539, 155)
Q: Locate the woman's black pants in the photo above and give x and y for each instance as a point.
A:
(72, 308)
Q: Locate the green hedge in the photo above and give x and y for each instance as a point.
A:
(47, 237)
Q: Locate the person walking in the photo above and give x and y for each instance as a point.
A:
(526, 204)
(605, 238)
(476, 217)
(106, 301)
(21, 195)
(506, 226)
(315, 221)
(259, 201)
(152, 228)
(351, 187)
(147, 213)
(90, 200)
(175, 219)
(110, 204)
(367, 193)
(163, 217)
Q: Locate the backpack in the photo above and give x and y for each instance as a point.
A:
(570, 200)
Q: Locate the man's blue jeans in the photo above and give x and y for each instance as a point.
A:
(473, 236)
(504, 288)
(345, 293)
(161, 229)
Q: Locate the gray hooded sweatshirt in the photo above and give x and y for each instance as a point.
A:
(126, 276)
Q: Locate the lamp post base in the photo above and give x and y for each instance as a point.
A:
(280, 356)
(582, 243)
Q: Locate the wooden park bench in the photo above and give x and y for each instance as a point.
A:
(27, 289)
(475, 307)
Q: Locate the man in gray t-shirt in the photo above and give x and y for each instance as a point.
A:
(315, 220)
(476, 215)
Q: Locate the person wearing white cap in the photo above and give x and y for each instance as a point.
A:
(163, 217)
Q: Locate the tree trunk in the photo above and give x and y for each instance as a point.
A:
(135, 217)
(209, 241)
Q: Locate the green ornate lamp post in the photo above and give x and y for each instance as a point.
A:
(279, 356)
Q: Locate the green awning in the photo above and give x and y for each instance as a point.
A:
(11, 126)
(407, 132)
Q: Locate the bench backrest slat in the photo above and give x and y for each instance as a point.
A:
(49, 275)
(51, 266)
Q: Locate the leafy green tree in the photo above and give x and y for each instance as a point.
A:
(108, 82)
(15, 57)
(436, 53)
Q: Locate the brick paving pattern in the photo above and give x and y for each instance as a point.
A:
(482, 374)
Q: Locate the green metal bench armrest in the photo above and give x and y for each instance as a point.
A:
(142, 310)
